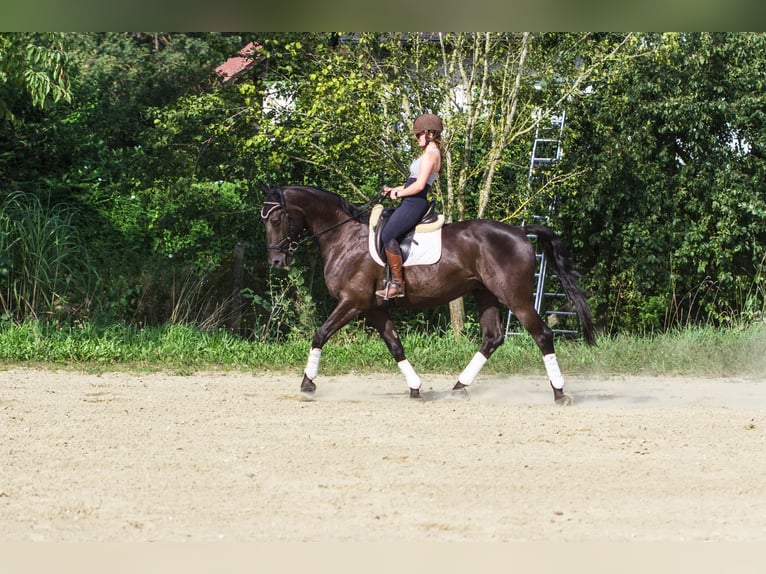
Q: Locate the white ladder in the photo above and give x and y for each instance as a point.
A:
(546, 150)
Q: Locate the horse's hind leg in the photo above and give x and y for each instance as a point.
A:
(543, 336)
(491, 337)
(381, 320)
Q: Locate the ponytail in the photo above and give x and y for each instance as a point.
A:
(434, 137)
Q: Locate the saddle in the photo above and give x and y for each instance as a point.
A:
(420, 246)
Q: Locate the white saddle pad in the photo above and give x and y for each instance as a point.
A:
(426, 247)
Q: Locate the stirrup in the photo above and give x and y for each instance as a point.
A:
(385, 292)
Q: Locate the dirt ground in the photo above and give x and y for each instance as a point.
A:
(243, 457)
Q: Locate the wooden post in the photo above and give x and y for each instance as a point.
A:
(238, 283)
(457, 317)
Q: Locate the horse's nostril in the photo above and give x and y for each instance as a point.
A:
(277, 261)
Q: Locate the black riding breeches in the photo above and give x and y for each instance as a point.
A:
(406, 216)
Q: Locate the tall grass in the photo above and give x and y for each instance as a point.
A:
(693, 351)
(194, 302)
(42, 260)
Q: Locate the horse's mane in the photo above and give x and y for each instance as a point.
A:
(359, 214)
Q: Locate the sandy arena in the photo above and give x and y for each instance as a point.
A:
(242, 457)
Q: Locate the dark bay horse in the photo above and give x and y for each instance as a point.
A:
(492, 260)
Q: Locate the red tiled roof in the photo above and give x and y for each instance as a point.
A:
(238, 64)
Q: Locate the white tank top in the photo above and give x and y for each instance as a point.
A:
(415, 170)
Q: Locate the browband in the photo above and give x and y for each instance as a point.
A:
(268, 208)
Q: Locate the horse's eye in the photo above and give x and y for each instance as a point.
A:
(275, 221)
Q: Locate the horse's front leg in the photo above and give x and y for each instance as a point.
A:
(381, 320)
(340, 316)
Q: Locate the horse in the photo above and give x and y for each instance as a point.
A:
(493, 261)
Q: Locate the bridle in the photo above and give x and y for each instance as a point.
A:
(288, 245)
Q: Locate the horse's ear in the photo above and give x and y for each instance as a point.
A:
(272, 199)
(271, 192)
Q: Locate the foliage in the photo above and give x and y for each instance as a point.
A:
(319, 115)
(156, 165)
(345, 112)
(287, 311)
(138, 200)
(33, 65)
(669, 218)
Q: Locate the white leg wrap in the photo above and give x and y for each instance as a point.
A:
(413, 381)
(473, 368)
(554, 373)
(312, 367)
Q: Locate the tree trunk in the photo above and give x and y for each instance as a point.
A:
(238, 282)
(457, 317)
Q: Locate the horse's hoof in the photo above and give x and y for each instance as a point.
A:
(459, 391)
(415, 394)
(564, 400)
(561, 398)
(307, 385)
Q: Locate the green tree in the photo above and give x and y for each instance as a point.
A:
(150, 155)
(669, 216)
(134, 192)
(32, 65)
(349, 102)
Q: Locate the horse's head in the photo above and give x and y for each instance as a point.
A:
(288, 211)
(282, 228)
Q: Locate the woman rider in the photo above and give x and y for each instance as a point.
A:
(414, 198)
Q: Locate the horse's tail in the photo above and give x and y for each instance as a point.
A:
(558, 256)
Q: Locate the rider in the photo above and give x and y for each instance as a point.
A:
(424, 170)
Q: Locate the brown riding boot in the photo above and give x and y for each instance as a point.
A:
(395, 287)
